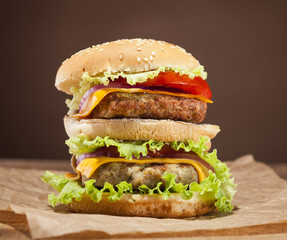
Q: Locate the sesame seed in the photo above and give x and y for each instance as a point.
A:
(138, 44)
(139, 49)
(153, 41)
(138, 59)
(145, 59)
(121, 43)
(151, 58)
(121, 56)
(127, 69)
(90, 53)
(153, 53)
(93, 45)
(162, 49)
(101, 50)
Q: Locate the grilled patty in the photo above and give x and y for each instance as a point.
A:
(139, 174)
(150, 106)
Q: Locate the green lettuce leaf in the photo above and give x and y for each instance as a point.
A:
(74, 103)
(170, 187)
(82, 144)
(129, 149)
(132, 79)
(67, 189)
(114, 193)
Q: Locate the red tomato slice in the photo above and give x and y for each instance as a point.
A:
(196, 86)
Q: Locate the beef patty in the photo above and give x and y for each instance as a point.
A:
(138, 174)
(150, 106)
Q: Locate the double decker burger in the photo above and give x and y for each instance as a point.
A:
(134, 134)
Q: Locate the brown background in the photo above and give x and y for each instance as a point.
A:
(242, 45)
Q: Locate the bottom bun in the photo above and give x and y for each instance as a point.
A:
(145, 206)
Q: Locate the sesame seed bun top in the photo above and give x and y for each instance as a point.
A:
(127, 55)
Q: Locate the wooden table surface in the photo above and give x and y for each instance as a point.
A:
(15, 226)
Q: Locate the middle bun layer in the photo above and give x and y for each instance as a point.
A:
(139, 129)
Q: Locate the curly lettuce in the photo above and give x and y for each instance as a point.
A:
(68, 189)
(128, 149)
(218, 187)
(88, 81)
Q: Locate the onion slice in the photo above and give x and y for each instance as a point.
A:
(94, 154)
(191, 157)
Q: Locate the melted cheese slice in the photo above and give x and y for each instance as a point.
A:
(89, 165)
(96, 97)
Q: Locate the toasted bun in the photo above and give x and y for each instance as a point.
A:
(146, 206)
(139, 129)
(130, 56)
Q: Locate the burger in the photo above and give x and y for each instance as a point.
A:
(137, 145)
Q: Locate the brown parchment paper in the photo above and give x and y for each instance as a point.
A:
(261, 198)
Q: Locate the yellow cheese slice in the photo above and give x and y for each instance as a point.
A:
(97, 97)
(89, 165)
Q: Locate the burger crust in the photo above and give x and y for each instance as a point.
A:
(139, 129)
(145, 206)
(127, 55)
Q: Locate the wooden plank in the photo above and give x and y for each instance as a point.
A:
(13, 226)
(19, 223)
(61, 165)
(8, 232)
